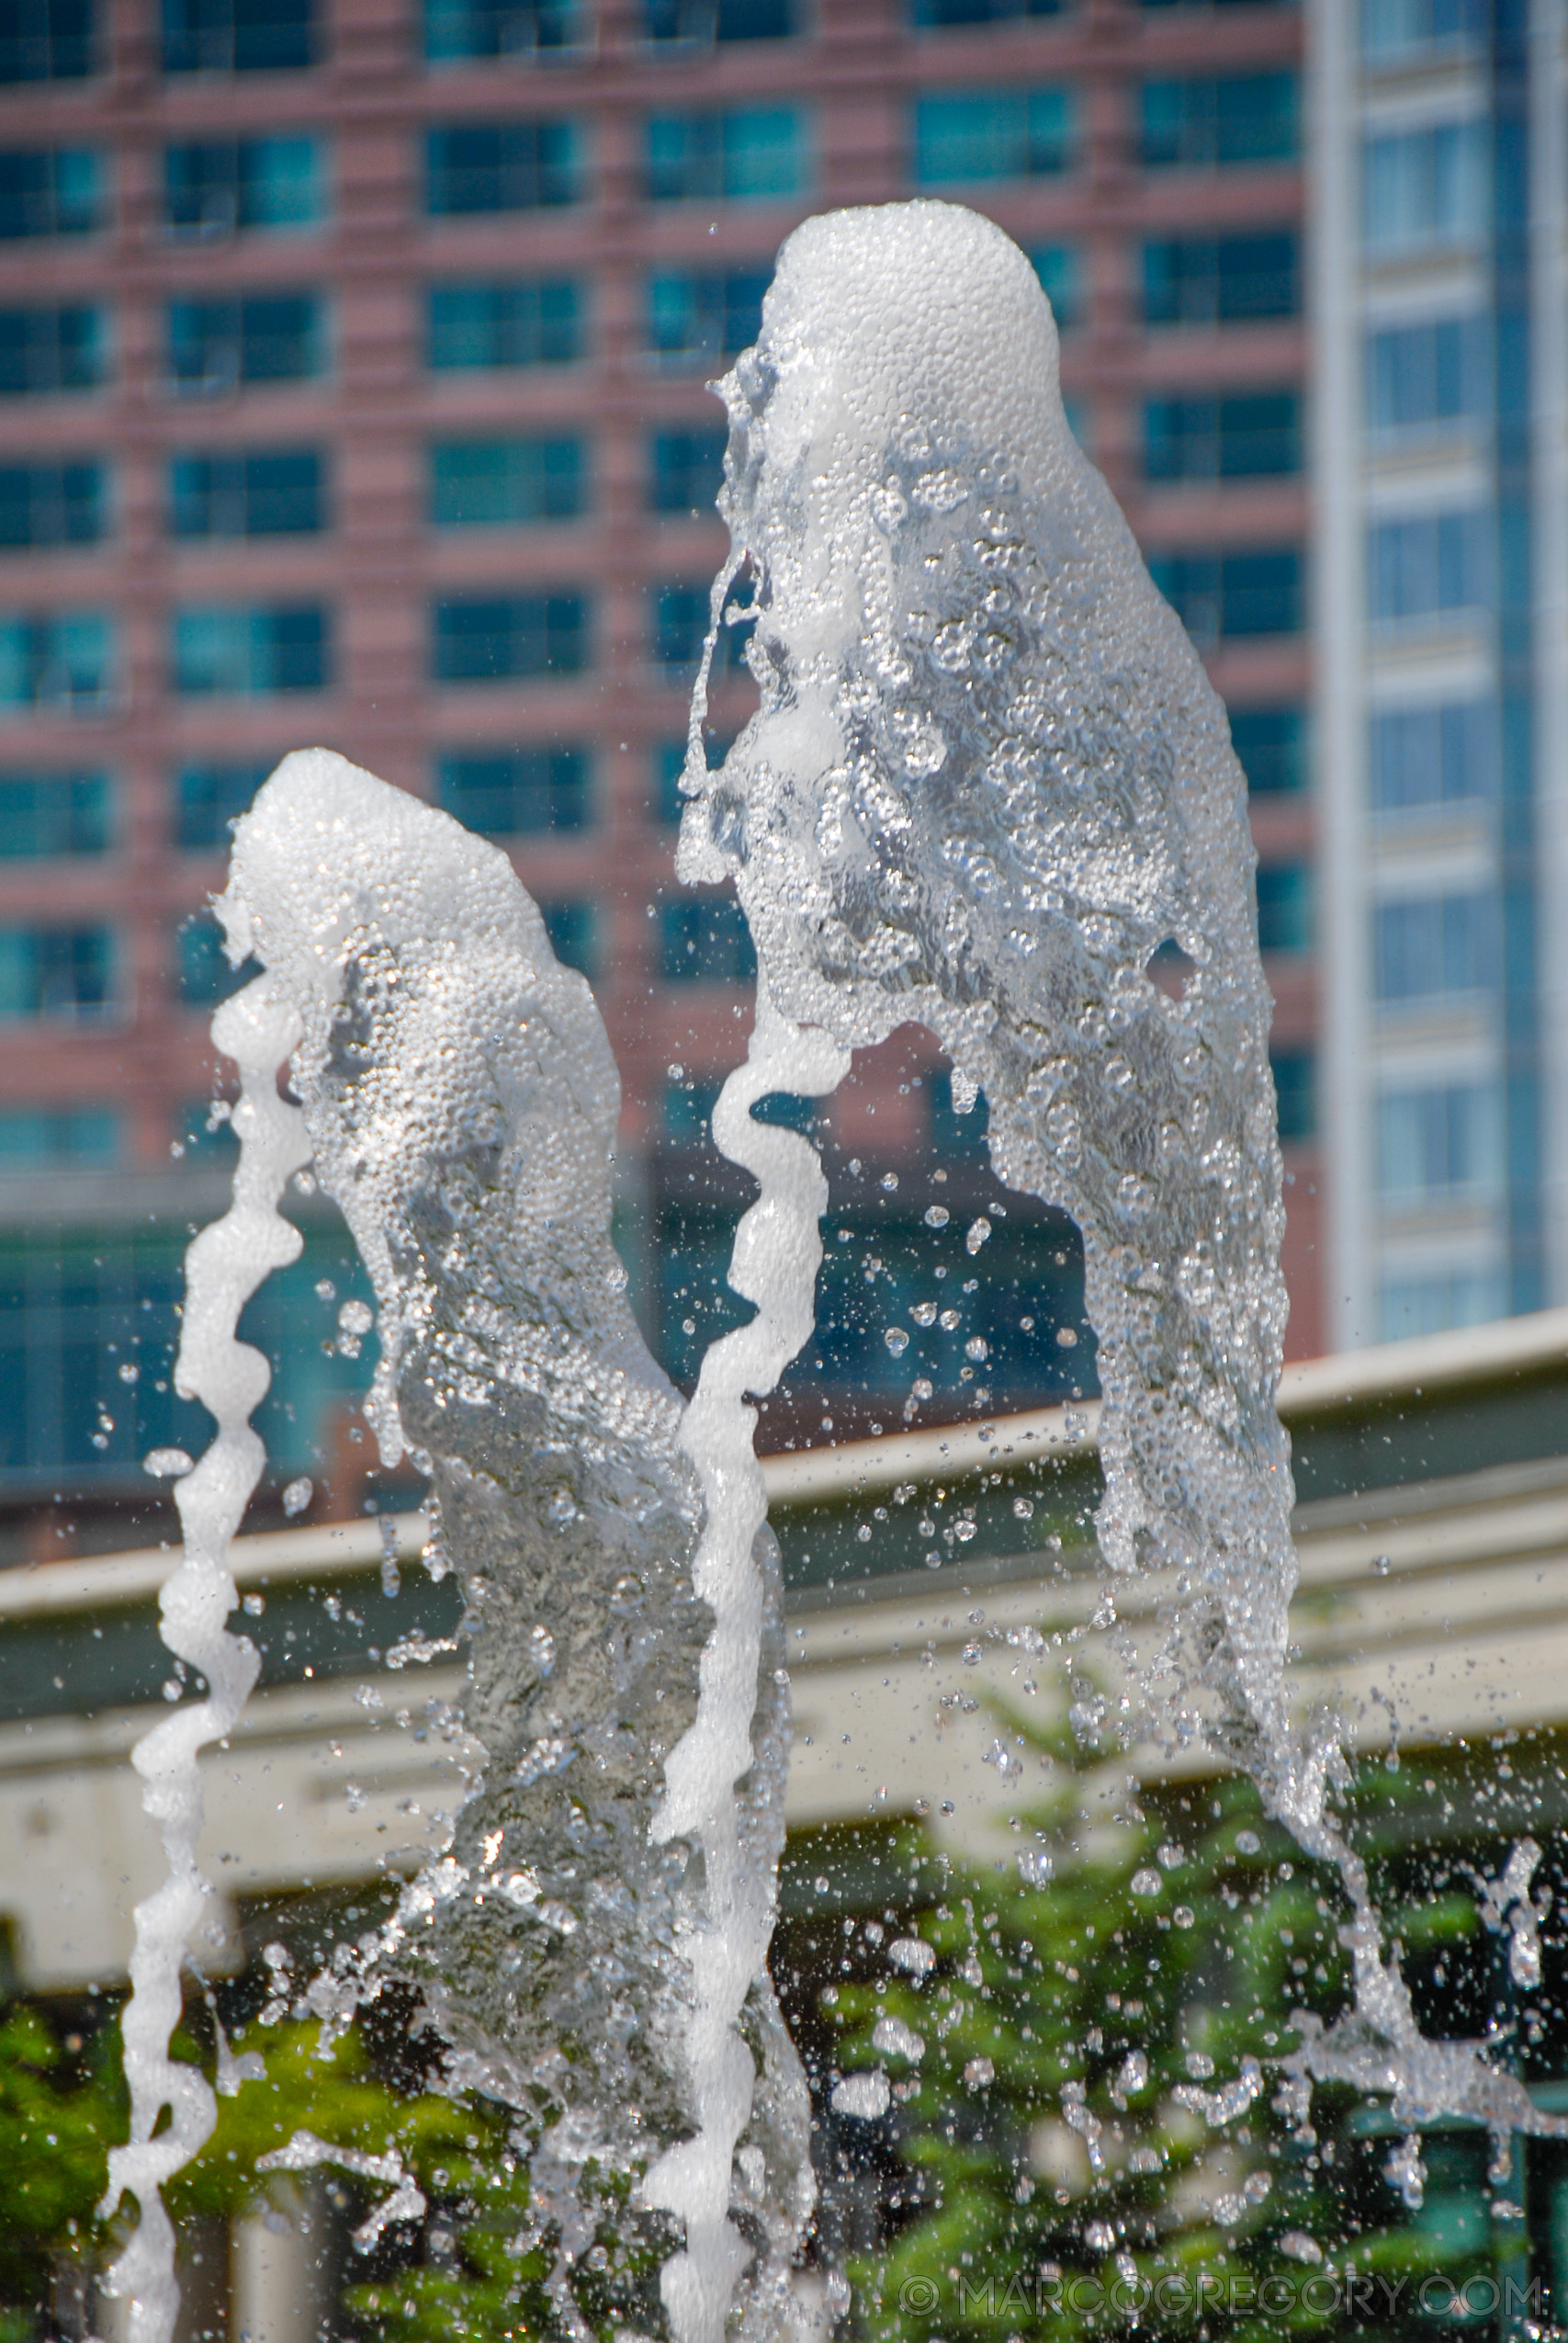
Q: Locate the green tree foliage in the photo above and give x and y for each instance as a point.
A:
(1085, 2087)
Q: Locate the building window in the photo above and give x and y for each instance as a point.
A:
(51, 349)
(1440, 1143)
(52, 504)
(1435, 944)
(573, 932)
(214, 187)
(51, 191)
(939, 14)
(697, 320)
(703, 22)
(46, 41)
(1425, 377)
(250, 651)
(682, 614)
(749, 154)
(38, 1139)
(208, 798)
(45, 814)
(1295, 1094)
(1056, 266)
(516, 793)
(965, 136)
(529, 322)
(685, 471)
(1222, 281)
(507, 639)
(1230, 435)
(506, 483)
(1225, 596)
(59, 660)
(458, 30)
(1412, 1306)
(218, 345)
(1423, 757)
(278, 492)
(238, 36)
(64, 974)
(703, 939)
(1212, 123)
(1426, 191)
(1271, 745)
(1393, 31)
(203, 975)
(501, 166)
(1285, 907)
(1425, 567)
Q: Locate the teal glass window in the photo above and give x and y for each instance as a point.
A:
(516, 792)
(53, 191)
(1214, 122)
(208, 798)
(45, 814)
(217, 187)
(226, 345)
(498, 638)
(251, 651)
(501, 166)
(513, 323)
(746, 154)
(967, 136)
(506, 483)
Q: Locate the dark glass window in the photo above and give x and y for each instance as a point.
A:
(1056, 266)
(61, 660)
(238, 36)
(1285, 907)
(1393, 31)
(706, 21)
(572, 929)
(203, 975)
(1222, 281)
(1420, 377)
(747, 154)
(54, 813)
(1271, 745)
(516, 793)
(52, 348)
(251, 650)
(975, 134)
(1434, 755)
(207, 798)
(681, 616)
(1216, 595)
(506, 483)
(1425, 567)
(504, 639)
(1210, 122)
(703, 939)
(218, 345)
(1434, 1141)
(212, 187)
(933, 13)
(456, 31)
(1434, 944)
(65, 974)
(501, 166)
(696, 320)
(52, 504)
(1236, 435)
(46, 41)
(685, 469)
(51, 191)
(527, 323)
(41, 1138)
(1295, 1081)
(278, 491)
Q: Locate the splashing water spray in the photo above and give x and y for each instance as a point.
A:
(987, 782)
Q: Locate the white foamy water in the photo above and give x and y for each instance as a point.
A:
(988, 789)
(592, 1940)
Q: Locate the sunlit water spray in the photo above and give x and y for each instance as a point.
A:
(592, 1942)
(988, 789)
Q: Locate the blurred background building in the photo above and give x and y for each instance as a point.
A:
(352, 367)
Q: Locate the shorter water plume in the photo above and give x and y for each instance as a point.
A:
(461, 1104)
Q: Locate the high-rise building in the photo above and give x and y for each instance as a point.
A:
(352, 366)
(1441, 580)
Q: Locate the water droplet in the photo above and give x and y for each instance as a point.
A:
(166, 1464)
(896, 1341)
(298, 1495)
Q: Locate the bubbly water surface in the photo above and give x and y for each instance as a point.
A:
(989, 788)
